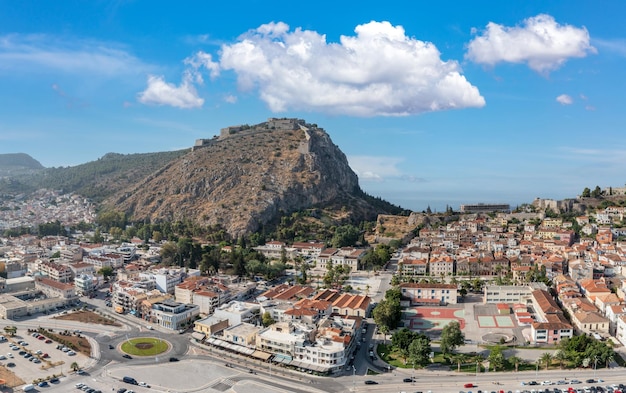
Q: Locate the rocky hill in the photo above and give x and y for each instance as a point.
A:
(249, 175)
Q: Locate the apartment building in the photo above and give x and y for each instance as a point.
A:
(55, 271)
(52, 288)
(99, 261)
(413, 267)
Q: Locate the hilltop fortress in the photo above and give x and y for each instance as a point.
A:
(272, 124)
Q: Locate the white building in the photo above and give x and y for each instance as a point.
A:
(173, 315)
(99, 261)
(237, 312)
(85, 284)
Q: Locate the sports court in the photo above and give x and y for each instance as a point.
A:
(432, 318)
(493, 321)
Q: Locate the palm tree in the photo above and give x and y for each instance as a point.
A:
(561, 356)
(74, 366)
(516, 360)
(609, 360)
(460, 358)
(546, 359)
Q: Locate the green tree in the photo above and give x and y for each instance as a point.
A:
(451, 337)
(169, 252)
(419, 350)
(515, 361)
(459, 359)
(74, 366)
(597, 192)
(403, 338)
(561, 357)
(157, 236)
(546, 359)
(267, 319)
(586, 193)
(106, 271)
(496, 358)
(97, 236)
(10, 330)
(387, 313)
(345, 235)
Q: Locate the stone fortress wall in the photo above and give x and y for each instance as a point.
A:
(272, 124)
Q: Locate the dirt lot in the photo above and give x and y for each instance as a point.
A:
(88, 317)
(11, 379)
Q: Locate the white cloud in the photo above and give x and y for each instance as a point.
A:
(540, 42)
(375, 168)
(43, 53)
(564, 99)
(617, 46)
(160, 92)
(231, 99)
(202, 60)
(379, 71)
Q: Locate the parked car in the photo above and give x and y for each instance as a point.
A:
(469, 385)
(145, 385)
(43, 384)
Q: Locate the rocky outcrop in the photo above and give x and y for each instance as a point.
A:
(246, 177)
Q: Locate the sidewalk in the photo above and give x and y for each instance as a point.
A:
(254, 364)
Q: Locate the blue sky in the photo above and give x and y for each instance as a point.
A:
(434, 103)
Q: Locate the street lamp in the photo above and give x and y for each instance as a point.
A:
(353, 380)
(476, 379)
(537, 369)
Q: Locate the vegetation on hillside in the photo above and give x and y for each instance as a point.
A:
(96, 179)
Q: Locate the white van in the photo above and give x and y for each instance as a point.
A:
(29, 387)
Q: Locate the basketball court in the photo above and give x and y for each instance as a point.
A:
(433, 318)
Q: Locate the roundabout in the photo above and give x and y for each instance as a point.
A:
(145, 346)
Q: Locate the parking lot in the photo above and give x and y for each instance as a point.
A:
(33, 356)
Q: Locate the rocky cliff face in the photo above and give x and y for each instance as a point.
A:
(246, 177)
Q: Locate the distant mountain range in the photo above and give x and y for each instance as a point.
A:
(241, 180)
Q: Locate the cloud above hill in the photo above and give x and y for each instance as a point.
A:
(540, 42)
(379, 71)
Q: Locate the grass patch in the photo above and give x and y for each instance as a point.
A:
(144, 346)
(372, 372)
